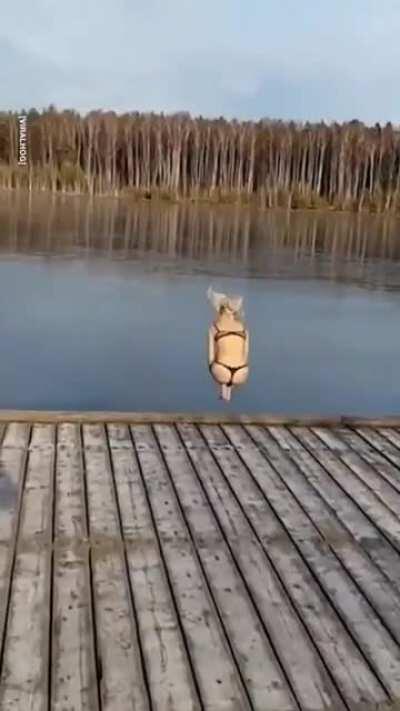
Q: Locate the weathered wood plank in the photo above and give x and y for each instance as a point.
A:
(24, 679)
(118, 656)
(252, 650)
(308, 678)
(168, 671)
(70, 514)
(361, 621)
(16, 435)
(67, 416)
(74, 683)
(12, 467)
(37, 505)
(12, 461)
(103, 513)
(215, 671)
(55, 416)
(136, 519)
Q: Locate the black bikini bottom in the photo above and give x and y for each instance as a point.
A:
(232, 371)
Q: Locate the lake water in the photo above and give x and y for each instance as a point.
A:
(103, 306)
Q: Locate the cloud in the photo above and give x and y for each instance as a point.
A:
(290, 59)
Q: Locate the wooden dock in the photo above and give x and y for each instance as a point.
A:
(196, 564)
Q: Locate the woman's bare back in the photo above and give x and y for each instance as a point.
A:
(228, 343)
(230, 349)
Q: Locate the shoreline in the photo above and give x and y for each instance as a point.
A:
(202, 201)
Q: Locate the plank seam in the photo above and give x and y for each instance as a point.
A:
(91, 591)
(53, 504)
(131, 594)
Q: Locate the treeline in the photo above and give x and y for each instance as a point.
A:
(271, 163)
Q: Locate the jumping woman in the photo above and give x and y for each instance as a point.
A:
(228, 343)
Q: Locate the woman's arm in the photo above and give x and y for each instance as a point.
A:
(246, 347)
(211, 345)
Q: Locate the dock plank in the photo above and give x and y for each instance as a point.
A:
(24, 677)
(118, 660)
(13, 456)
(73, 653)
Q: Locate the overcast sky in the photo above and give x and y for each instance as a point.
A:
(291, 59)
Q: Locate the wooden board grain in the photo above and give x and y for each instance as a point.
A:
(73, 650)
(109, 416)
(122, 685)
(25, 672)
(13, 457)
(189, 563)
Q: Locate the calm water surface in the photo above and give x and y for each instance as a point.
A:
(102, 306)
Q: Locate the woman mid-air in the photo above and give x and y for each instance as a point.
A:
(228, 343)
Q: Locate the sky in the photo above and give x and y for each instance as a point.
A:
(247, 59)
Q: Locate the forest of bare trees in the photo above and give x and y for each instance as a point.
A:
(269, 163)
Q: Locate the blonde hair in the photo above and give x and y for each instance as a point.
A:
(222, 302)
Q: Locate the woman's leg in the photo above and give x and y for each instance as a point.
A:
(226, 392)
(221, 374)
(241, 376)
